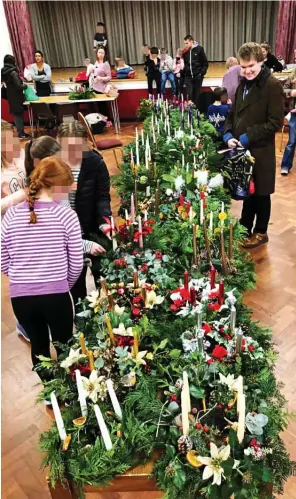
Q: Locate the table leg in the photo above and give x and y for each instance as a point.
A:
(115, 113)
(30, 112)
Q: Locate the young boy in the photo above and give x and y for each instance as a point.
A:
(166, 69)
(153, 71)
(218, 111)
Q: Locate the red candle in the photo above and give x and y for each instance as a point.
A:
(212, 277)
(186, 280)
(221, 292)
(193, 296)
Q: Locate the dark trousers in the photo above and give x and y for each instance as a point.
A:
(102, 107)
(179, 82)
(79, 289)
(154, 76)
(193, 86)
(259, 207)
(39, 314)
(19, 122)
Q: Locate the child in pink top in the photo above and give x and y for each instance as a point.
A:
(13, 173)
(178, 68)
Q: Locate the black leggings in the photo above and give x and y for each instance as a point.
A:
(154, 76)
(39, 314)
(79, 289)
(179, 82)
(259, 207)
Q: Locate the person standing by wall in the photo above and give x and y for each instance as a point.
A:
(232, 77)
(195, 68)
(15, 93)
(41, 75)
(290, 92)
(255, 117)
(153, 71)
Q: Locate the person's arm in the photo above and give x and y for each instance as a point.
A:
(95, 44)
(275, 117)
(182, 64)
(5, 258)
(74, 249)
(47, 71)
(288, 85)
(103, 199)
(108, 76)
(170, 64)
(12, 199)
(203, 61)
(17, 81)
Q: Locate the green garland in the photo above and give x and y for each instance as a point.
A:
(163, 317)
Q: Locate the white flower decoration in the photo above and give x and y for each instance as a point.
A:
(213, 463)
(95, 387)
(179, 182)
(93, 298)
(152, 299)
(139, 358)
(121, 331)
(74, 358)
(169, 192)
(201, 177)
(216, 181)
(119, 310)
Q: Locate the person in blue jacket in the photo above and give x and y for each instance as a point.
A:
(122, 68)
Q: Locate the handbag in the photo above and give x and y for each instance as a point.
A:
(238, 170)
(30, 94)
(111, 90)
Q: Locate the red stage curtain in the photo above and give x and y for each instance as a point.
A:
(286, 31)
(20, 31)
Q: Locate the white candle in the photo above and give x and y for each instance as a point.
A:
(137, 152)
(183, 161)
(191, 131)
(183, 145)
(58, 417)
(140, 231)
(149, 154)
(186, 390)
(132, 209)
(190, 213)
(169, 129)
(232, 317)
(81, 393)
(146, 160)
(187, 167)
(222, 211)
(165, 125)
(114, 242)
(197, 143)
(146, 212)
(185, 419)
(126, 215)
(201, 212)
(158, 131)
(241, 403)
(148, 191)
(194, 161)
(113, 397)
(153, 134)
(103, 427)
(136, 133)
(211, 221)
(132, 156)
(142, 136)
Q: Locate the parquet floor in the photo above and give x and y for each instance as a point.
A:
(273, 302)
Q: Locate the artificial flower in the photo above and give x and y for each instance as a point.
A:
(214, 306)
(139, 358)
(121, 331)
(219, 352)
(118, 310)
(149, 356)
(95, 387)
(179, 182)
(75, 356)
(222, 216)
(152, 299)
(136, 312)
(216, 181)
(201, 177)
(213, 463)
(169, 192)
(129, 379)
(232, 383)
(93, 298)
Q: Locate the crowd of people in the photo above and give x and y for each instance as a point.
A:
(55, 193)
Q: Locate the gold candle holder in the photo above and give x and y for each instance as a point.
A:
(230, 250)
(110, 329)
(223, 255)
(195, 262)
(207, 241)
(91, 360)
(82, 344)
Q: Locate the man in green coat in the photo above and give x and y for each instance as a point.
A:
(256, 115)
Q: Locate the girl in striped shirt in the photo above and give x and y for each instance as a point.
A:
(43, 257)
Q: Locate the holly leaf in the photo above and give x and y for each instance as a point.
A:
(170, 451)
(266, 475)
(228, 466)
(174, 354)
(179, 478)
(197, 392)
(233, 440)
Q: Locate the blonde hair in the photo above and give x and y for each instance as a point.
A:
(49, 173)
(231, 61)
(41, 148)
(5, 127)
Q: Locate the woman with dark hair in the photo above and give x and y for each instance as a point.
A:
(270, 60)
(15, 93)
(41, 75)
(101, 76)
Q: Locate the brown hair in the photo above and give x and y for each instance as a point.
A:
(103, 48)
(5, 127)
(72, 129)
(41, 148)
(50, 172)
(251, 50)
(231, 61)
(266, 46)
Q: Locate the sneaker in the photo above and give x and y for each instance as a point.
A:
(284, 171)
(24, 136)
(255, 240)
(21, 332)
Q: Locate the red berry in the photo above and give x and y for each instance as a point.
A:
(198, 426)
(194, 410)
(181, 429)
(206, 429)
(220, 406)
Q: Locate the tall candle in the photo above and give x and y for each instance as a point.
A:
(103, 428)
(126, 215)
(169, 129)
(91, 360)
(146, 160)
(213, 277)
(239, 340)
(136, 196)
(193, 296)
(186, 280)
(153, 135)
(241, 418)
(110, 329)
(132, 159)
(58, 417)
(186, 390)
(190, 213)
(191, 131)
(114, 242)
(200, 341)
(114, 399)
(136, 343)
(132, 209)
(201, 211)
(137, 152)
(158, 131)
(194, 245)
(199, 319)
(194, 161)
(185, 419)
(140, 231)
(146, 213)
(81, 393)
(230, 241)
(154, 170)
(148, 191)
(183, 161)
(82, 343)
(156, 201)
(136, 279)
(211, 221)
(232, 318)
(142, 136)
(221, 292)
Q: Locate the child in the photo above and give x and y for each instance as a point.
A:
(178, 68)
(89, 70)
(100, 37)
(217, 112)
(146, 54)
(166, 69)
(121, 68)
(153, 71)
(42, 256)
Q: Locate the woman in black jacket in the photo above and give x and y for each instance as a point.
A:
(15, 93)
(90, 195)
(270, 60)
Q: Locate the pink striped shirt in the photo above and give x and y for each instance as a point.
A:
(42, 258)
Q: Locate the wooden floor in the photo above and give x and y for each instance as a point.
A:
(273, 302)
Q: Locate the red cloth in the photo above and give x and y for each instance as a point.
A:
(81, 76)
(20, 31)
(286, 32)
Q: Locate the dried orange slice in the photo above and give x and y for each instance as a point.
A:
(191, 457)
(66, 443)
(79, 421)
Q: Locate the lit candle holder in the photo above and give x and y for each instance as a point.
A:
(213, 277)
(136, 344)
(221, 292)
(185, 419)
(239, 340)
(58, 417)
(140, 232)
(114, 399)
(186, 280)
(110, 329)
(82, 344)
(232, 318)
(91, 360)
(81, 393)
(103, 428)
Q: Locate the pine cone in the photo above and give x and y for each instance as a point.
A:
(184, 444)
(247, 477)
(170, 470)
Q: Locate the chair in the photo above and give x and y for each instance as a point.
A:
(101, 144)
(42, 114)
